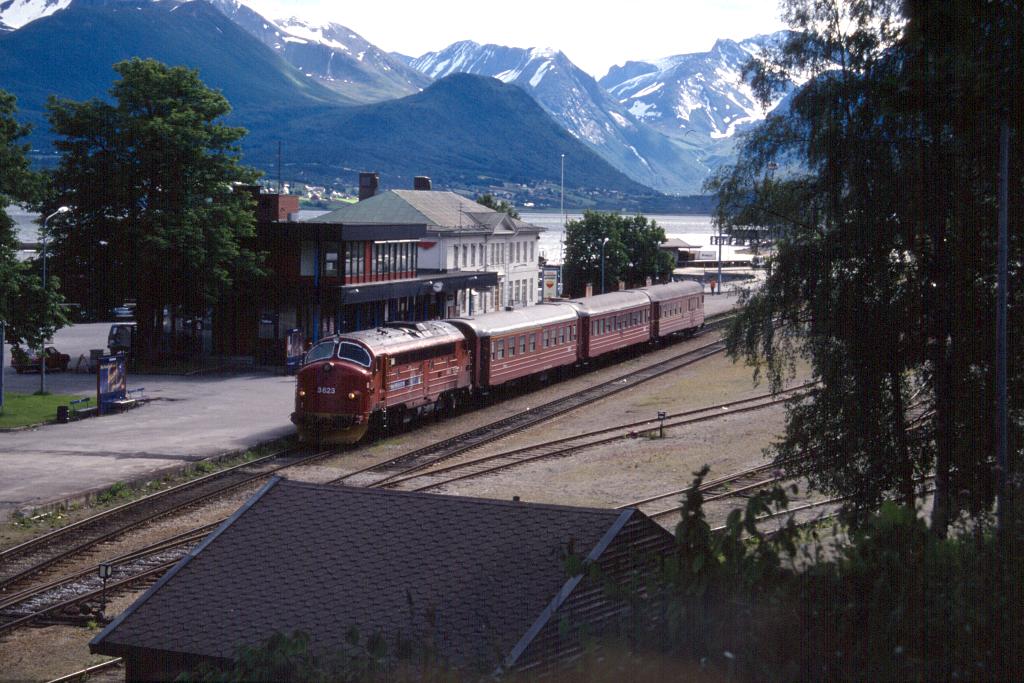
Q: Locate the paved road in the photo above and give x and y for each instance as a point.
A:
(189, 418)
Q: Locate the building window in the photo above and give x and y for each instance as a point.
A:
(511, 347)
(517, 252)
(472, 255)
(533, 259)
(307, 258)
(522, 343)
(331, 259)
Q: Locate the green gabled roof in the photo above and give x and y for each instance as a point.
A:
(436, 210)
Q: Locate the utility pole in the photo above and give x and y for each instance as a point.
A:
(1002, 462)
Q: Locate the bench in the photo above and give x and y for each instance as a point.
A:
(131, 399)
(80, 408)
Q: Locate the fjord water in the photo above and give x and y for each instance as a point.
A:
(694, 229)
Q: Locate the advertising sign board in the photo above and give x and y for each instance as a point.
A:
(111, 382)
(551, 278)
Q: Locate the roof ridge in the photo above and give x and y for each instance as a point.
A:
(461, 499)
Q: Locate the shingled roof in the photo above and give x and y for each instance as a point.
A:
(437, 210)
(482, 580)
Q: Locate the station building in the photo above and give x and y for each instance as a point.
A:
(397, 255)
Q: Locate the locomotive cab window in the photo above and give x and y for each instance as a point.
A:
(355, 353)
(320, 351)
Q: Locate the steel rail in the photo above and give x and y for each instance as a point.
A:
(88, 671)
(561, 452)
(109, 527)
(630, 430)
(160, 546)
(124, 583)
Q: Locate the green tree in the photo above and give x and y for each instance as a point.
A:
(501, 205)
(153, 181)
(30, 314)
(883, 271)
(631, 253)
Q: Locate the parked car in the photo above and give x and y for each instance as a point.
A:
(21, 361)
(121, 337)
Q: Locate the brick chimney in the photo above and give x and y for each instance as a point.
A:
(622, 285)
(421, 182)
(368, 184)
(590, 290)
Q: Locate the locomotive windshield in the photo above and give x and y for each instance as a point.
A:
(355, 353)
(320, 351)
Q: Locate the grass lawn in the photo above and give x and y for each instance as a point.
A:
(29, 409)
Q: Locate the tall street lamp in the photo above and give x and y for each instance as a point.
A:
(42, 343)
(603, 242)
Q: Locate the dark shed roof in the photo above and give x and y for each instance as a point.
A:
(479, 578)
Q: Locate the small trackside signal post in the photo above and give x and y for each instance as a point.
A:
(105, 571)
(661, 419)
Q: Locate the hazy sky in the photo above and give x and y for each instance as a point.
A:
(595, 35)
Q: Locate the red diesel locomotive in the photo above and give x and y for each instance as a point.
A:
(397, 372)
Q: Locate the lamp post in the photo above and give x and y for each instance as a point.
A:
(42, 343)
(603, 242)
(719, 260)
(561, 205)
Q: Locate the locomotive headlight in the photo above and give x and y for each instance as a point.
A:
(352, 395)
(301, 393)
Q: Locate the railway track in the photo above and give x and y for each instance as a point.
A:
(434, 478)
(421, 458)
(20, 563)
(61, 599)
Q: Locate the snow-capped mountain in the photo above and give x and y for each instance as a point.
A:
(575, 100)
(701, 92)
(335, 55)
(16, 13)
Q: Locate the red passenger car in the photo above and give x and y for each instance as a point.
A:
(513, 344)
(613, 321)
(677, 307)
(390, 373)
